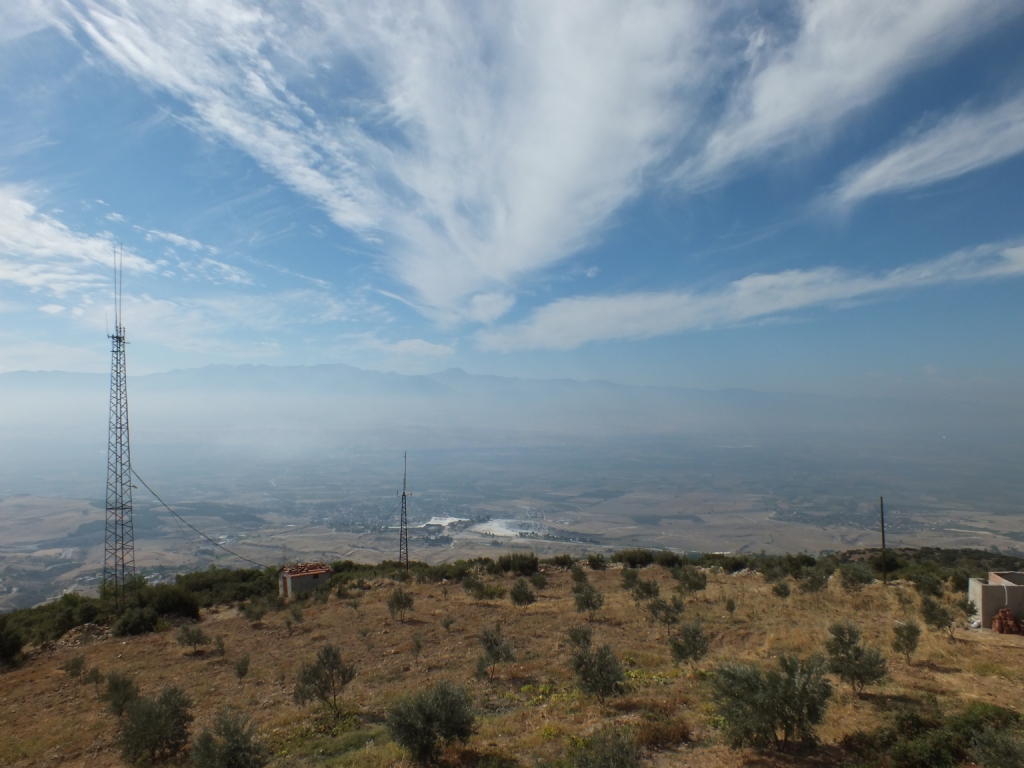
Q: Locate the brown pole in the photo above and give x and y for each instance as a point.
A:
(881, 520)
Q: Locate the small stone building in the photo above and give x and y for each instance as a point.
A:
(999, 590)
(301, 577)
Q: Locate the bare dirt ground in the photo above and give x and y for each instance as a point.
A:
(531, 708)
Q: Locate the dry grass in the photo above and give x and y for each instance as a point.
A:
(531, 708)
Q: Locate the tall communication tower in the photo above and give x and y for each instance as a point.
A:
(119, 554)
(403, 540)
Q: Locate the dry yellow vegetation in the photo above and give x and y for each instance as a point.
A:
(531, 708)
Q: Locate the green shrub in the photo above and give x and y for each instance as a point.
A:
(218, 646)
(45, 622)
(995, 748)
(666, 558)
(523, 564)
(596, 562)
(75, 666)
(121, 691)
(135, 621)
(905, 638)
(937, 616)
(923, 737)
(233, 743)
(496, 650)
(629, 578)
(690, 579)
(890, 564)
(480, 590)
(766, 709)
(578, 575)
(539, 580)
(855, 663)
(295, 611)
(242, 667)
(399, 602)
(691, 645)
(168, 599)
(95, 677)
(854, 576)
(324, 679)
(255, 610)
(598, 672)
(927, 584)
(588, 600)
(781, 590)
(192, 636)
(634, 558)
(562, 561)
(667, 612)
(813, 581)
(10, 644)
(218, 586)
(156, 729)
(521, 594)
(426, 722)
(730, 606)
(609, 747)
(580, 636)
(645, 590)
(447, 622)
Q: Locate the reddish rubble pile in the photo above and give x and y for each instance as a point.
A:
(1005, 623)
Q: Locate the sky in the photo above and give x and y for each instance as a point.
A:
(799, 196)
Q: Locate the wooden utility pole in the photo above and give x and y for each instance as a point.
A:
(881, 520)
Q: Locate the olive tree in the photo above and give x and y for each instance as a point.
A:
(770, 708)
(324, 679)
(425, 722)
(854, 662)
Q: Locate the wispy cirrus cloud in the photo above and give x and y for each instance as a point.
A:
(40, 253)
(153, 235)
(571, 322)
(956, 145)
(481, 144)
(840, 57)
(474, 146)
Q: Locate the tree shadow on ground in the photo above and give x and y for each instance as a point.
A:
(795, 755)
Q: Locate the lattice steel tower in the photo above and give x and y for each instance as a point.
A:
(403, 540)
(119, 554)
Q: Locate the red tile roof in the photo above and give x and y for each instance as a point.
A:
(305, 569)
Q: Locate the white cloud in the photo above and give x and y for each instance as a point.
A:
(568, 323)
(417, 347)
(217, 272)
(477, 144)
(24, 17)
(236, 324)
(482, 143)
(152, 235)
(114, 217)
(40, 253)
(957, 145)
(51, 309)
(844, 55)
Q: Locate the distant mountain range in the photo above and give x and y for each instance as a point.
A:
(53, 424)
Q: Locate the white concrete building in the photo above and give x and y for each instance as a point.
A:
(999, 590)
(302, 577)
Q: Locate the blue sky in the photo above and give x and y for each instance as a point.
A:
(799, 196)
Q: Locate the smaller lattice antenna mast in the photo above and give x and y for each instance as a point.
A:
(403, 541)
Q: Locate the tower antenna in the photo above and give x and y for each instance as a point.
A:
(403, 540)
(119, 549)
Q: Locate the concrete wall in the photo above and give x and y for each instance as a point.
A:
(1007, 577)
(303, 582)
(989, 597)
